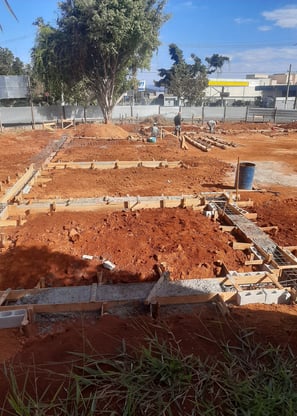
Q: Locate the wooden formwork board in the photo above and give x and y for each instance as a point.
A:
(93, 306)
(199, 298)
(227, 228)
(251, 215)
(153, 293)
(16, 294)
(118, 164)
(66, 123)
(4, 296)
(50, 125)
(67, 307)
(241, 246)
(11, 222)
(240, 278)
(245, 280)
(275, 281)
(254, 262)
(289, 248)
(83, 205)
(245, 204)
(4, 213)
(288, 266)
(292, 263)
(18, 186)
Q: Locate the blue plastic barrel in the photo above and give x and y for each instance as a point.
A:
(246, 175)
(152, 139)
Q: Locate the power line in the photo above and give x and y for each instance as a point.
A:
(233, 45)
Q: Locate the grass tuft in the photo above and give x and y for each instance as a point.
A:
(250, 379)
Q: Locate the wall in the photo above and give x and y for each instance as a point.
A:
(23, 115)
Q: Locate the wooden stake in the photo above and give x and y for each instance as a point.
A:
(237, 179)
(4, 296)
(223, 308)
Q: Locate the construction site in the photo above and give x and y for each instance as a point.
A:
(100, 227)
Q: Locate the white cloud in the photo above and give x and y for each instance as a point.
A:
(242, 21)
(185, 4)
(263, 60)
(285, 18)
(264, 28)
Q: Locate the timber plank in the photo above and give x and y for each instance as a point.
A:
(4, 296)
(241, 246)
(153, 293)
(199, 298)
(275, 281)
(16, 188)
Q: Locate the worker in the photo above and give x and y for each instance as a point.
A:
(155, 130)
(211, 125)
(177, 123)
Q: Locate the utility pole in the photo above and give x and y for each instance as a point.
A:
(288, 85)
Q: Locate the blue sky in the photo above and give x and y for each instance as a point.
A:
(259, 36)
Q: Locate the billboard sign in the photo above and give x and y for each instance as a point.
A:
(227, 83)
(141, 85)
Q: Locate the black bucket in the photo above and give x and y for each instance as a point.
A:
(246, 175)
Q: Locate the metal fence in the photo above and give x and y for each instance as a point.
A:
(14, 116)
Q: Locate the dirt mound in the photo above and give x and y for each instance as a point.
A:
(289, 126)
(189, 243)
(156, 119)
(242, 125)
(106, 131)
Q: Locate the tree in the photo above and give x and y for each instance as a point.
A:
(216, 62)
(186, 81)
(9, 64)
(101, 42)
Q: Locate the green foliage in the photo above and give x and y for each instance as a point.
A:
(9, 64)
(188, 81)
(216, 62)
(260, 380)
(100, 42)
(250, 379)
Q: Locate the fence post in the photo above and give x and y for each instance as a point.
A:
(224, 116)
(202, 114)
(274, 115)
(246, 113)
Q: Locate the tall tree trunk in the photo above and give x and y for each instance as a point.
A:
(105, 101)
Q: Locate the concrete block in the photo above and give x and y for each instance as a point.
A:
(246, 297)
(12, 319)
(277, 296)
(208, 214)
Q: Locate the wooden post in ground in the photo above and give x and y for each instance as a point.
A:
(183, 144)
(237, 179)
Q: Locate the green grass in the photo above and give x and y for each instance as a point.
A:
(157, 378)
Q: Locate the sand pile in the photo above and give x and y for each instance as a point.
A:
(104, 131)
